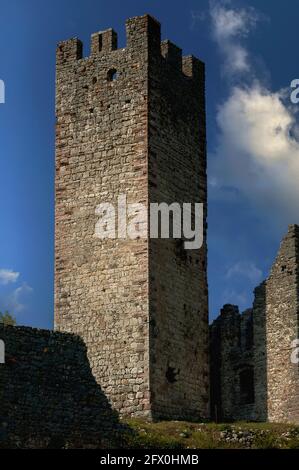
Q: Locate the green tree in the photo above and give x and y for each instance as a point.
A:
(7, 319)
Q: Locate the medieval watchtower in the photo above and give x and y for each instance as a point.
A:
(132, 121)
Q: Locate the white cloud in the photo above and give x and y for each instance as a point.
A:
(263, 123)
(245, 269)
(13, 300)
(229, 27)
(16, 301)
(228, 22)
(258, 147)
(257, 151)
(8, 276)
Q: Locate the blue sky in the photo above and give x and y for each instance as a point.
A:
(249, 49)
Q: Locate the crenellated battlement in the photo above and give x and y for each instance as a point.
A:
(69, 51)
(131, 121)
(172, 53)
(143, 33)
(103, 42)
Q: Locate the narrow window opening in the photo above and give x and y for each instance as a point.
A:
(171, 375)
(100, 43)
(112, 75)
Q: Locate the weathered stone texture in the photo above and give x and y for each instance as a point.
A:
(140, 305)
(282, 309)
(273, 326)
(260, 353)
(48, 396)
(231, 363)
(178, 294)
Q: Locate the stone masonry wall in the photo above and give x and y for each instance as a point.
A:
(231, 359)
(282, 315)
(101, 153)
(179, 373)
(48, 396)
(139, 305)
(272, 326)
(260, 353)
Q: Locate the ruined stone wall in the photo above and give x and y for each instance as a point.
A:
(269, 330)
(142, 135)
(281, 312)
(231, 336)
(260, 353)
(48, 396)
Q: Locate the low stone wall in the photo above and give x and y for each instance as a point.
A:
(48, 396)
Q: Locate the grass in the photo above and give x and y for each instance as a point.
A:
(185, 435)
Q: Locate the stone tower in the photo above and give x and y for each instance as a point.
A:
(132, 121)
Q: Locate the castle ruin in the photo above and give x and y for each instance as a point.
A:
(252, 375)
(132, 121)
(132, 314)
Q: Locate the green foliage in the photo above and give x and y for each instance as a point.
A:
(7, 319)
(183, 435)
